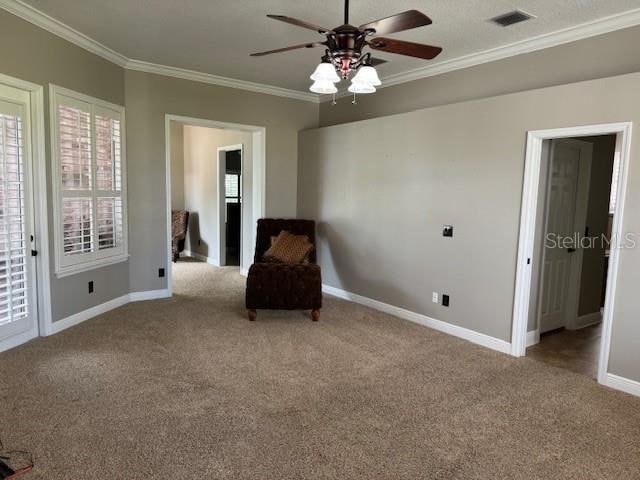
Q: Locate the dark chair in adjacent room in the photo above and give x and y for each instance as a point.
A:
(179, 224)
(284, 286)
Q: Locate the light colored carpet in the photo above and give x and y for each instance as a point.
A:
(188, 388)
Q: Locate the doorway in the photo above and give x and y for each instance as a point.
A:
(24, 286)
(230, 201)
(203, 191)
(580, 200)
(568, 251)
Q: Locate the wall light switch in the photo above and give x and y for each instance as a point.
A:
(434, 297)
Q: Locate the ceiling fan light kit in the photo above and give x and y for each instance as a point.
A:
(367, 75)
(344, 50)
(326, 72)
(361, 88)
(323, 87)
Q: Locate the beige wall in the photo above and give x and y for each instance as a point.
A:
(381, 189)
(177, 165)
(148, 99)
(607, 55)
(201, 187)
(32, 54)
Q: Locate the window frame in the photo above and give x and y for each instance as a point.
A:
(238, 197)
(82, 262)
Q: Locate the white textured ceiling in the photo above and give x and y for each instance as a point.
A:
(215, 36)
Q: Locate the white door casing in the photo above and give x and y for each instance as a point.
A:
(18, 293)
(531, 201)
(567, 199)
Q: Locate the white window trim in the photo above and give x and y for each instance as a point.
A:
(122, 255)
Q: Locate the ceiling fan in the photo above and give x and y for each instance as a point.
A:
(345, 44)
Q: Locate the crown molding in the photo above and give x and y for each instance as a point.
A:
(218, 80)
(585, 30)
(50, 24)
(582, 31)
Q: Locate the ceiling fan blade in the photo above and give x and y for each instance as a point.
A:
(397, 23)
(405, 48)
(286, 49)
(301, 23)
(374, 62)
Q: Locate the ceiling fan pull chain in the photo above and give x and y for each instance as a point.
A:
(354, 102)
(334, 100)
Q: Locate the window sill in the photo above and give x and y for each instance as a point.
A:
(62, 272)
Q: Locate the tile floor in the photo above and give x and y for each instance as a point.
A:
(575, 350)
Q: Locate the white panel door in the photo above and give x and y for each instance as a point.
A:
(568, 159)
(18, 308)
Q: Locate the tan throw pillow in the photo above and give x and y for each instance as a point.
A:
(288, 248)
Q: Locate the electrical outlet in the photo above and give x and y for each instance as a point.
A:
(434, 297)
(445, 300)
(161, 272)
(91, 286)
(447, 231)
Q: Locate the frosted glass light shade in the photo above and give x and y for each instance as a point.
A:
(361, 88)
(368, 76)
(323, 86)
(325, 72)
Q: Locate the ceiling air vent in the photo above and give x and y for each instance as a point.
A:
(511, 18)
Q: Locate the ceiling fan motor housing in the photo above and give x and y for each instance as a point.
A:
(345, 48)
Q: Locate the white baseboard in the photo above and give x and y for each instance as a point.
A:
(203, 258)
(80, 317)
(620, 383)
(533, 337)
(149, 295)
(89, 313)
(16, 340)
(461, 332)
(589, 319)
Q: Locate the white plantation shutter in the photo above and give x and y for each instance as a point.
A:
(74, 149)
(109, 222)
(77, 220)
(13, 236)
(90, 162)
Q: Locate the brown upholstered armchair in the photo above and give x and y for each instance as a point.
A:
(284, 286)
(179, 224)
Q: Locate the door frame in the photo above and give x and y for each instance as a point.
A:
(579, 224)
(43, 324)
(529, 210)
(221, 169)
(258, 184)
